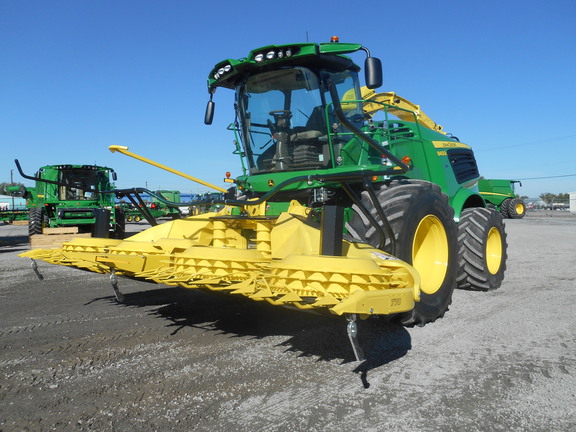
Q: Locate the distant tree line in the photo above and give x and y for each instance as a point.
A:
(4, 187)
(550, 198)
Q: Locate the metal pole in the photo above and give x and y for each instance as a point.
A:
(12, 184)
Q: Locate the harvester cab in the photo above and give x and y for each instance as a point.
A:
(289, 114)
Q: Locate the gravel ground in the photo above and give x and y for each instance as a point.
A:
(71, 358)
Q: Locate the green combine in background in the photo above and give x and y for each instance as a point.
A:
(74, 196)
(501, 195)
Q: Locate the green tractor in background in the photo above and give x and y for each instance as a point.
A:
(161, 206)
(14, 213)
(501, 195)
(74, 196)
(156, 207)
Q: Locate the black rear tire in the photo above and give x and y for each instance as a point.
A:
(35, 221)
(516, 209)
(421, 220)
(504, 208)
(482, 258)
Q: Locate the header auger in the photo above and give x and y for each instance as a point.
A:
(336, 210)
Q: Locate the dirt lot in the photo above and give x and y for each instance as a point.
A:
(71, 358)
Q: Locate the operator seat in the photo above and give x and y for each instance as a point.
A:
(309, 144)
(315, 127)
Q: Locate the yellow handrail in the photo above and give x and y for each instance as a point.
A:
(124, 150)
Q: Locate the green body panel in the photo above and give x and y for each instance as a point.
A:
(438, 159)
(496, 191)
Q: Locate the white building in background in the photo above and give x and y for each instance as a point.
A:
(6, 202)
(573, 202)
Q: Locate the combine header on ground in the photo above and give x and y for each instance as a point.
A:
(349, 203)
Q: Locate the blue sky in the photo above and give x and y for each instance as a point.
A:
(79, 75)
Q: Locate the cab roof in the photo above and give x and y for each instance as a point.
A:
(228, 73)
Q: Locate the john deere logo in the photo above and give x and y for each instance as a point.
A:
(270, 183)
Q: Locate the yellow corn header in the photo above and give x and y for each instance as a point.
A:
(264, 258)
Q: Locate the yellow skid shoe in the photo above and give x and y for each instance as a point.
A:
(273, 259)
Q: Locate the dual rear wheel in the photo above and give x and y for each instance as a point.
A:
(513, 208)
(482, 257)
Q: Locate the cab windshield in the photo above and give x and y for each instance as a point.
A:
(287, 119)
(78, 181)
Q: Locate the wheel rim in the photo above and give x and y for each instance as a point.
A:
(494, 250)
(430, 253)
(519, 209)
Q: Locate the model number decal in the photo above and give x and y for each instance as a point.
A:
(449, 144)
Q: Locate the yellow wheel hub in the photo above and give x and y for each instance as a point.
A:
(430, 253)
(519, 209)
(494, 250)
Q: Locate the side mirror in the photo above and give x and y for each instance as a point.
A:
(209, 116)
(114, 176)
(373, 72)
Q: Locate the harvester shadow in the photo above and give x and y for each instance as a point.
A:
(309, 335)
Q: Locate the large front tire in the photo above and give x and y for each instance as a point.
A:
(35, 221)
(482, 258)
(426, 237)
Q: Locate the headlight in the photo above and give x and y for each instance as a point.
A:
(274, 55)
(221, 71)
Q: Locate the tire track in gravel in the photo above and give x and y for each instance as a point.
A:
(82, 319)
